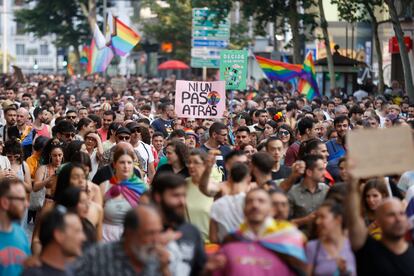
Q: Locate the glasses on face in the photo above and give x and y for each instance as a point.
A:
(123, 137)
(136, 130)
(69, 135)
(15, 156)
(284, 133)
(70, 117)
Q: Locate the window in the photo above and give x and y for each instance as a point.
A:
(20, 49)
(44, 49)
(19, 28)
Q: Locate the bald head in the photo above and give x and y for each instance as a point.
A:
(124, 146)
(142, 225)
(391, 218)
(22, 116)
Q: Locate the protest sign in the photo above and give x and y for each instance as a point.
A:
(200, 99)
(119, 84)
(233, 68)
(379, 152)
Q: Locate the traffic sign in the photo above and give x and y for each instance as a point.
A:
(210, 43)
(217, 33)
(208, 38)
(201, 62)
(204, 52)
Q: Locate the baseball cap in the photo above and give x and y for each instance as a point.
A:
(123, 130)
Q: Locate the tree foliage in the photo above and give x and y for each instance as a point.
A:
(64, 19)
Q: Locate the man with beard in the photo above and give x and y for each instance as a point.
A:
(42, 129)
(257, 247)
(216, 143)
(14, 246)
(8, 131)
(336, 146)
(262, 116)
(139, 252)
(169, 193)
(392, 254)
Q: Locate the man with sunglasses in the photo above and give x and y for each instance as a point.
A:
(65, 131)
(72, 116)
(14, 245)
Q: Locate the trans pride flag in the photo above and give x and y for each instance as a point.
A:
(279, 71)
(281, 237)
(100, 55)
(307, 84)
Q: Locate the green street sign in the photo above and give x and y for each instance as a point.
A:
(204, 62)
(233, 68)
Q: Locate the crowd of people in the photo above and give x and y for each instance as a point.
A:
(102, 181)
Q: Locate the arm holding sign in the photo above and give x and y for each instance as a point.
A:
(358, 232)
(206, 186)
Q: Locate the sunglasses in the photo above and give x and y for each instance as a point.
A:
(123, 138)
(69, 135)
(15, 156)
(90, 138)
(70, 117)
(284, 132)
(136, 130)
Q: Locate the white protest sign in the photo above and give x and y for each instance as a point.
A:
(200, 99)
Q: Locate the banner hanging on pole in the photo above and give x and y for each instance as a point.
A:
(200, 99)
(233, 68)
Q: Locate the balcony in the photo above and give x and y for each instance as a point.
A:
(26, 62)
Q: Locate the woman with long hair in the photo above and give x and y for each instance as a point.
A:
(94, 193)
(177, 155)
(52, 159)
(14, 152)
(71, 175)
(94, 148)
(330, 253)
(121, 193)
(286, 135)
(198, 204)
(85, 125)
(76, 201)
(374, 191)
(269, 130)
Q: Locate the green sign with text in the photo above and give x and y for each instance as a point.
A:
(233, 68)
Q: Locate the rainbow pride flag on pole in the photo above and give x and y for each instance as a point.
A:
(123, 38)
(100, 55)
(307, 85)
(279, 71)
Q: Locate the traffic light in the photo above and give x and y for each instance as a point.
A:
(35, 66)
(65, 61)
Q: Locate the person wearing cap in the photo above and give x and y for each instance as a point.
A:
(144, 150)
(10, 114)
(191, 138)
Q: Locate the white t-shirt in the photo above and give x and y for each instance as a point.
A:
(145, 152)
(227, 211)
(4, 163)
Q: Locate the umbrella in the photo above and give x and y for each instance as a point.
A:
(173, 65)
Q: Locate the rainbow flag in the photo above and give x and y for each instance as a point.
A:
(124, 38)
(279, 71)
(70, 70)
(100, 55)
(307, 84)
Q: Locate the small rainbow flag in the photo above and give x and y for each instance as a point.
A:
(307, 84)
(70, 70)
(124, 38)
(99, 55)
(279, 71)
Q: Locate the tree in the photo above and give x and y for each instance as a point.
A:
(364, 10)
(67, 20)
(172, 24)
(329, 57)
(279, 12)
(409, 87)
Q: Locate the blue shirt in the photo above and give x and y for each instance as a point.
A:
(224, 150)
(14, 249)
